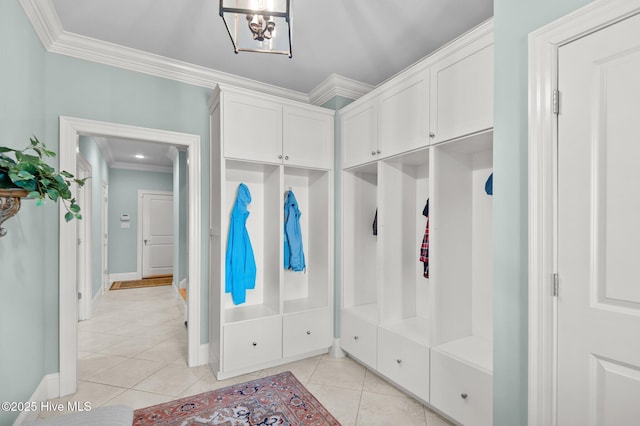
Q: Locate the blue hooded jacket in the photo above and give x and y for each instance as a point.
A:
(293, 253)
(240, 271)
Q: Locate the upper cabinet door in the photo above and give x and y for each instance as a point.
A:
(462, 92)
(403, 115)
(359, 134)
(308, 138)
(252, 128)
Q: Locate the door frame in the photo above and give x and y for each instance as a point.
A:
(84, 242)
(141, 193)
(543, 140)
(70, 130)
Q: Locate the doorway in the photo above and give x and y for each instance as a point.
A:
(584, 366)
(70, 130)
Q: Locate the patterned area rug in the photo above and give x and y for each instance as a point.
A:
(275, 400)
(146, 282)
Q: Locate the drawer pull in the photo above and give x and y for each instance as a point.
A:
(432, 135)
(355, 337)
(308, 332)
(373, 153)
(399, 361)
(279, 156)
(254, 344)
(286, 157)
(463, 395)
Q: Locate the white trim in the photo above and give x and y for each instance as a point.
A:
(85, 226)
(47, 389)
(337, 85)
(543, 71)
(139, 248)
(70, 129)
(44, 19)
(124, 276)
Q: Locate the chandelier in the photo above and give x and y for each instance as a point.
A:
(258, 25)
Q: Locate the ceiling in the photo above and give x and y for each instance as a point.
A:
(364, 40)
(368, 41)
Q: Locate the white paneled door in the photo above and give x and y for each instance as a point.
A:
(157, 234)
(599, 228)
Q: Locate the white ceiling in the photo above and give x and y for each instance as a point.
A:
(367, 41)
(121, 153)
(364, 40)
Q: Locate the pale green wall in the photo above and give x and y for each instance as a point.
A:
(89, 90)
(123, 199)
(22, 251)
(180, 218)
(99, 175)
(336, 103)
(513, 22)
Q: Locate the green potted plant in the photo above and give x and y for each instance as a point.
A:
(24, 173)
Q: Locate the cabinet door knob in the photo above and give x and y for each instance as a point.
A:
(463, 395)
(355, 337)
(373, 153)
(432, 135)
(399, 361)
(254, 344)
(286, 157)
(378, 151)
(308, 332)
(280, 156)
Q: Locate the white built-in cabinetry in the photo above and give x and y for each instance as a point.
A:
(272, 146)
(425, 134)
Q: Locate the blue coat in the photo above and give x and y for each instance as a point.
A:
(240, 271)
(293, 253)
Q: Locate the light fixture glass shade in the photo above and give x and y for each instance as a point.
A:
(258, 25)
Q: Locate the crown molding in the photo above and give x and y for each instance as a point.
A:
(45, 21)
(337, 85)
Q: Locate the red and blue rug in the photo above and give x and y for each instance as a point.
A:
(279, 400)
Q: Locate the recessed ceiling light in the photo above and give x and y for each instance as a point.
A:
(139, 156)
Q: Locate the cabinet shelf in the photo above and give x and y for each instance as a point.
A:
(417, 329)
(474, 351)
(250, 312)
(368, 312)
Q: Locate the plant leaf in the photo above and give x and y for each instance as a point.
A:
(53, 194)
(68, 216)
(33, 194)
(74, 208)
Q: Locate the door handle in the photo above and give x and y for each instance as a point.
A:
(145, 242)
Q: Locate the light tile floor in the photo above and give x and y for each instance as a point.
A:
(133, 351)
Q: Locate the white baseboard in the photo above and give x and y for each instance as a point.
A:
(335, 350)
(48, 388)
(124, 276)
(183, 303)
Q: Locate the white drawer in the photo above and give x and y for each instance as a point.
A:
(252, 343)
(359, 338)
(405, 362)
(306, 331)
(461, 391)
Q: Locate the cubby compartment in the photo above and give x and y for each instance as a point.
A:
(462, 249)
(361, 264)
(309, 289)
(265, 212)
(405, 292)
